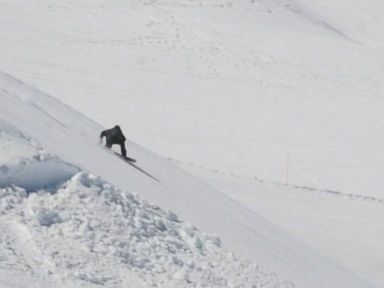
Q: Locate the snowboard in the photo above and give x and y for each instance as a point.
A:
(125, 158)
(130, 161)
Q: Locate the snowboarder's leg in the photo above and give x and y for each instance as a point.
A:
(123, 150)
(108, 144)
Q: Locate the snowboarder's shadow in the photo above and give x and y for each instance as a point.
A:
(139, 169)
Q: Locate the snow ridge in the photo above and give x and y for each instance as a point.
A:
(28, 165)
(330, 192)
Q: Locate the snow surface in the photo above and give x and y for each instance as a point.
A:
(281, 90)
(63, 228)
(102, 236)
(247, 82)
(78, 226)
(339, 225)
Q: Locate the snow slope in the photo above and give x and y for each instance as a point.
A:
(340, 225)
(83, 216)
(251, 80)
(61, 227)
(285, 90)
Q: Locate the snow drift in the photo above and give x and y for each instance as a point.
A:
(87, 233)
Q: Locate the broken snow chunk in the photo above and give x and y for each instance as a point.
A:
(215, 240)
(48, 218)
(198, 243)
(177, 261)
(10, 197)
(172, 216)
(4, 169)
(190, 231)
(143, 214)
(160, 225)
(82, 178)
(130, 197)
(42, 156)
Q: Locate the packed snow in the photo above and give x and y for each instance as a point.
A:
(331, 222)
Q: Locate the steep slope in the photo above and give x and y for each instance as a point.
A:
(62, 227)
(251, 80)
(73, 139)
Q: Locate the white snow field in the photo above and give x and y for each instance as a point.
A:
(79, 230)
(340, 225)
(248, 96)
(258, 79)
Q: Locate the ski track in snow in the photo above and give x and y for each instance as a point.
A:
(342, 225)
(349, 196)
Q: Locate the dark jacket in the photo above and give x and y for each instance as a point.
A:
(113, 136)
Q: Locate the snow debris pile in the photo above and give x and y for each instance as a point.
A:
(88, 233)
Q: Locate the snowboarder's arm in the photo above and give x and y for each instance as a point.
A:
(102, 134)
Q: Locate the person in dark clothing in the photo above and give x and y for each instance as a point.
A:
(114, 136)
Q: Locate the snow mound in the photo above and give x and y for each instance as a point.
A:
(17, 279)
(88, 221)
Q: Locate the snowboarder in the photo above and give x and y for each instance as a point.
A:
(114, 136)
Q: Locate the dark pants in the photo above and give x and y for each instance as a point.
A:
(122, 147)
